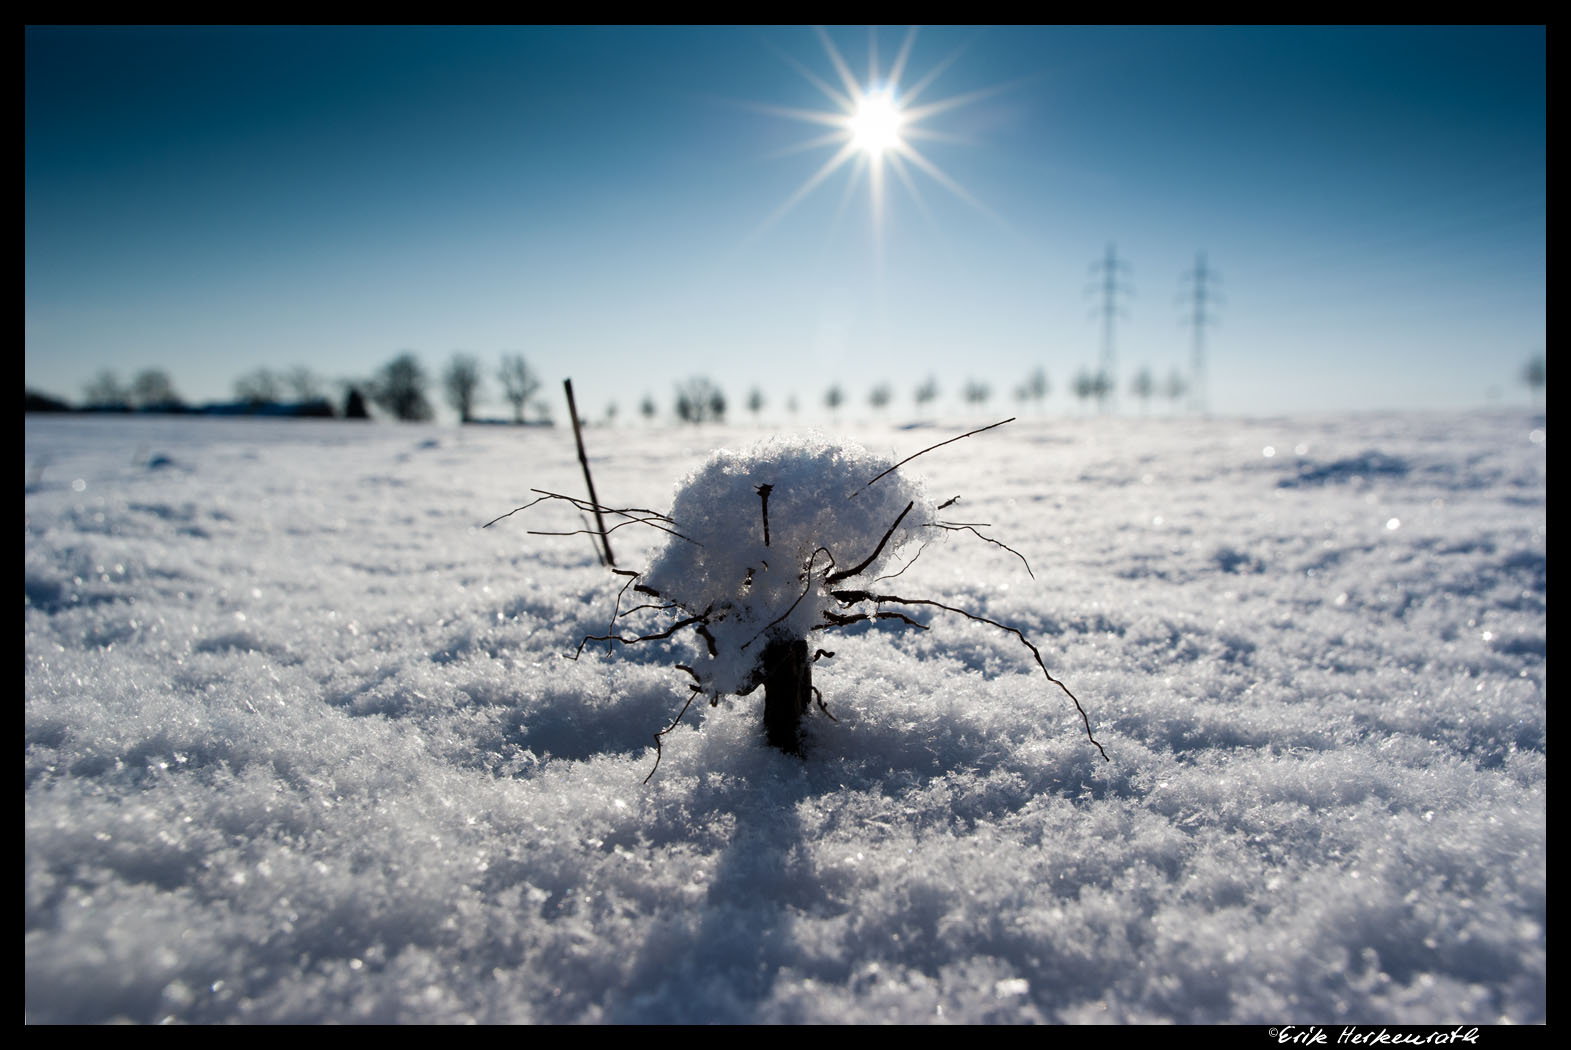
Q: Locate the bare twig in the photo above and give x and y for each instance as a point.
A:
(667, 607)
(955, 527)
(853, 597)
(651, 518)
(848, 573)
(823, 706)
(668, 632)
(586, 530)
(632, 578)
(930, 448)
(583, 460)
(904, 567)
(584, 504)
(833, 620)
(808, 575)
(763, 494)
(658, 749)
(515, 510)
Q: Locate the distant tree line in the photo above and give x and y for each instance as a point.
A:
(400, 389)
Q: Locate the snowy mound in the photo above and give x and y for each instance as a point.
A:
(823, 518)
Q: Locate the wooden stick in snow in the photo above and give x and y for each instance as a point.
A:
(583, 460)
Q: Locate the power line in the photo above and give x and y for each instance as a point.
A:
(1201, 295)
(1110, 287)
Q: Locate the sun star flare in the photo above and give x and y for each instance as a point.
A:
(872, 128)
(875, 126)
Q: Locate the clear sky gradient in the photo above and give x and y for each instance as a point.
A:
(613, 204)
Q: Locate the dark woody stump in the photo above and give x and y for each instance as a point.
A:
(787, 676)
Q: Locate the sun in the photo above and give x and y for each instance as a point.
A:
(873, 127)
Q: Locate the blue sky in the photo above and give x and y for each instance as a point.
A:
(213, 201)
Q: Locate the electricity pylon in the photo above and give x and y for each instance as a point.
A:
(1200, 295)
(1110, 287)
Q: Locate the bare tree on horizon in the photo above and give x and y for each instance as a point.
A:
(462, 382)
(879, 397)
(400, 388)
(1533, 374)
(258, 388)
(106, 391)
(700, 401)
(519, 383)
(152, 388)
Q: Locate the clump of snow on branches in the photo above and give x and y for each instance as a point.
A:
(823, 518)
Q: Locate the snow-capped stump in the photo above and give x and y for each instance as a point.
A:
(767, 535)
(771, 547)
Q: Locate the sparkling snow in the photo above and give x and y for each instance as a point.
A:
(304, 743)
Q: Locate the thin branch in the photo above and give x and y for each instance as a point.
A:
(950, 527)
(823, 706)
(852, 597)
(587, 531)
(847, 573)
(652, 518)
(583, 460)
(763, 494)
(904, 567)
(834, 620)
(658, 749)
(617, 606)
(805, 591)
(515, 510)
(951, 501)
(584, 504)
(668, 632)
(667, 607)
(930, 448)
(599, 552)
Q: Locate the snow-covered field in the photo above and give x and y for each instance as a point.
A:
(303, 743)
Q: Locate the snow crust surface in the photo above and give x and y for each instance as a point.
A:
(303, 743)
